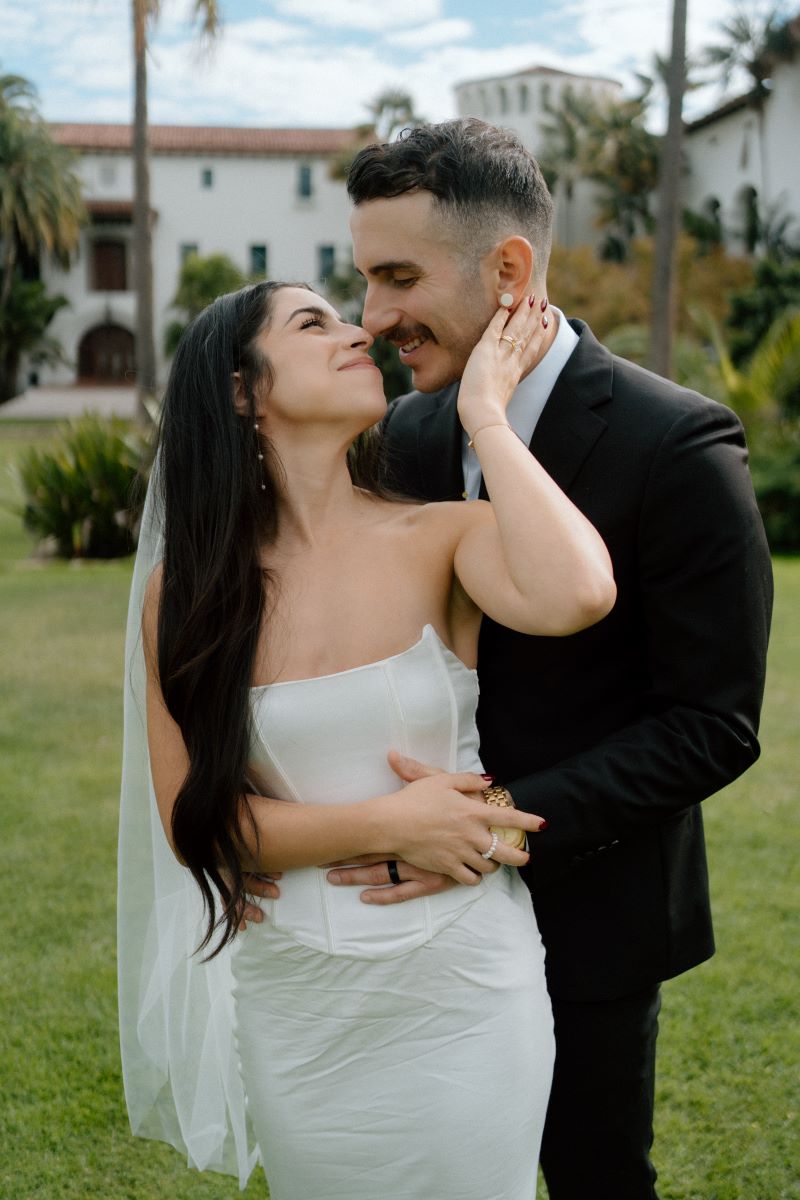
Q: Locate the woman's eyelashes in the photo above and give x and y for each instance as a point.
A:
(316, 319)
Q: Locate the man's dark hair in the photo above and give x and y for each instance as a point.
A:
(485, 184)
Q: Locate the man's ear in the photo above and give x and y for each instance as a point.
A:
(511, 264)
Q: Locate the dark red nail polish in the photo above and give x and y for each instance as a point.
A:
(543, 825)
(488, 778)
(531, 301)
(545, 322)
(544, 303)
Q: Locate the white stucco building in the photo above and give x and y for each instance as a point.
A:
(520, 101)
(735, 161)
(262, 196)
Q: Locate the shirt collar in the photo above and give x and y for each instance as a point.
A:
(531, 394)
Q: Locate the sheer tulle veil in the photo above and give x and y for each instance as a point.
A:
(180, 1068)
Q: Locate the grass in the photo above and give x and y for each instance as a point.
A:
(727, 1098)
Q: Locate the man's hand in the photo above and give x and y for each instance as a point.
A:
(372, 873)
(414, 882)
(258, 885)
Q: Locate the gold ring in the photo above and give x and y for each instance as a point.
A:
(513, 343)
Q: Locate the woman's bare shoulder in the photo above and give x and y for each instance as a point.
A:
(457, 515)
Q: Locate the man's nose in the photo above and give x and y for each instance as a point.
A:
(378, 316)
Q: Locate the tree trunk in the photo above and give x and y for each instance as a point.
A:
(9, 370)
(142, 229)
(762, 157)
(669, 187)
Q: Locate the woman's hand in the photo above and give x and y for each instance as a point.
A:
(441, 823)
(508, 348)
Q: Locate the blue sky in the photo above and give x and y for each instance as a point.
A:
(319, 62)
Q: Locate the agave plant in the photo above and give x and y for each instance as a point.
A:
(767, 387)
(81, 497)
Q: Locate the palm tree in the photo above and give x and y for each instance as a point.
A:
(145, 13)
(390, 111)
(564, 154)
(18, 94)
(41, 207)
(41, 204)
(664, 283)
(622, 158)
(754, 44)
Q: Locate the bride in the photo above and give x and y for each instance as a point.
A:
(291, 627)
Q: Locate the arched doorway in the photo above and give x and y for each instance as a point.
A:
(106, 355)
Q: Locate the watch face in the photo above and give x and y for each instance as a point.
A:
(512, 837)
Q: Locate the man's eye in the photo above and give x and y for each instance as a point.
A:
(403, 281)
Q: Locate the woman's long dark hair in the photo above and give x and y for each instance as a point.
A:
(219, 510)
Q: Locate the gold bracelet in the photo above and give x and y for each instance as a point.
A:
(480, 429)
(500, 797)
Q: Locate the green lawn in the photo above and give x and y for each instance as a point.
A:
(729, 1047)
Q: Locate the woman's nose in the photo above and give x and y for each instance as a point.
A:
(360, 337)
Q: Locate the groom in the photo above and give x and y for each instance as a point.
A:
(616, 734)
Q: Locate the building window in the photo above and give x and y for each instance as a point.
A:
(258, 261)
(108, 174)
(206, 178)
(326, 262)
(523, 97)
(108, 265)
(305, 182)
(187, 248)
(484, 103)
(503, 95)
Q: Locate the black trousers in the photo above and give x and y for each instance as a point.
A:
(599, 1126)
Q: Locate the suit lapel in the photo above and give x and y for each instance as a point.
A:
(570, 425)
(568, 428)
(439, 435)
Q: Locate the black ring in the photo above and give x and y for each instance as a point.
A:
(392, 868)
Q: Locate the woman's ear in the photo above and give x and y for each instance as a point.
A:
(240, 402)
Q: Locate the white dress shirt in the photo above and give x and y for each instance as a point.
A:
(526, 405)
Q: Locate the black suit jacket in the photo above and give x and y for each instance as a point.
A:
(617, 733)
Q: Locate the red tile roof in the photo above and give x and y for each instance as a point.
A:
(205, 139)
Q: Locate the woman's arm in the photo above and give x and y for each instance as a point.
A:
(531, 560)
(448, 836)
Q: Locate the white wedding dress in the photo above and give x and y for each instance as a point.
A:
(402, 1051)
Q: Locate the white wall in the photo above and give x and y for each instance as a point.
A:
(519, 102)
(724, 156)
(252, 201)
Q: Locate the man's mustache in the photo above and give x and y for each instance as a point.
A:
(400, 334)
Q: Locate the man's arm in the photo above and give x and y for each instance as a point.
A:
(705, 584)
(705, 594)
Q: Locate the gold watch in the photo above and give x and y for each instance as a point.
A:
(500, 797)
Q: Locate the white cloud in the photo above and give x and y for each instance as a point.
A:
(320, 62)
(364, 15)
(436, 34)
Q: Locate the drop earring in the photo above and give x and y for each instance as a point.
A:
(260, 457)
(506, 300)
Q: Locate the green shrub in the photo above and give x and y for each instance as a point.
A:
(756, 307)
(81, 498)
(775, 464)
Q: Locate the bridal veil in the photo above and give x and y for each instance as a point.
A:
(180, 1069)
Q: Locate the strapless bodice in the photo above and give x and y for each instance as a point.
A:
(325, 741)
